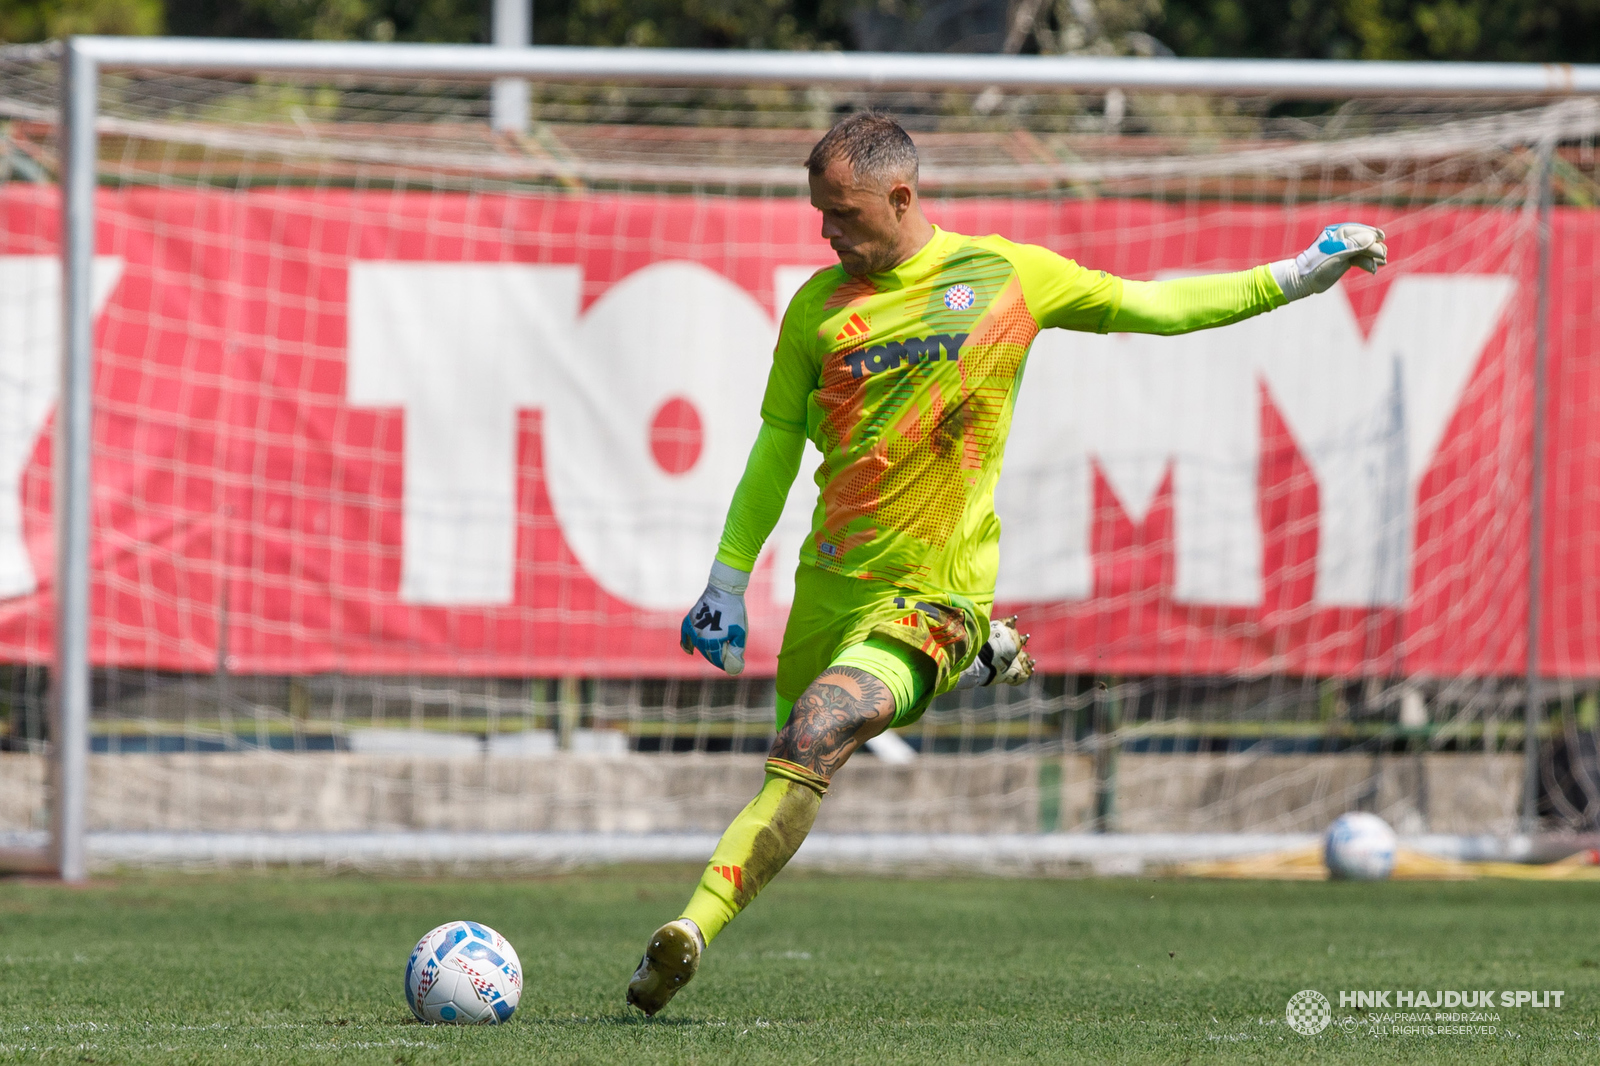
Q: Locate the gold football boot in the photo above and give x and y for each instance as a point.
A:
(670, 960)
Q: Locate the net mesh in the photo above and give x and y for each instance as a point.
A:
(1260, 597)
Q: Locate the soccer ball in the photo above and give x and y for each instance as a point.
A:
(1360, 847)
(463, 973)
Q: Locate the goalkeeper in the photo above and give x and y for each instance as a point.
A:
(901, 364)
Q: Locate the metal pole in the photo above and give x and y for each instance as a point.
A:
(1108, 730)
(508, 102)
(1297, 79)
(69, 682)
(1533, 713)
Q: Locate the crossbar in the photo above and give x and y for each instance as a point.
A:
(1276, 77)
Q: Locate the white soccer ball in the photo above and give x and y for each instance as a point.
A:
(1360, 847)
(463, 973)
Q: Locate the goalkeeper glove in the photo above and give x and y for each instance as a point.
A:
(715, 626)
(1000, 659)
(1337, 249)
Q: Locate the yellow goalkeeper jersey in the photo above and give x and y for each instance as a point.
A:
(905, 381)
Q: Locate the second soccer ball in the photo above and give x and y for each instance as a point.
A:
(1360, 847)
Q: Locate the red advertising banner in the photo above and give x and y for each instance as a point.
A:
(438, 433)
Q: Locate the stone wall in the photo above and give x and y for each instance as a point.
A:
(335, 791)
(21, 792)
(1438, 792)
(631, 793)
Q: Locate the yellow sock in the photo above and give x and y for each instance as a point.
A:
(757, 844)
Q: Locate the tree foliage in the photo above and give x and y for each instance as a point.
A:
(464, 21)
(37, 20)
(1525, 30)
(1540, 31)
(696, 23)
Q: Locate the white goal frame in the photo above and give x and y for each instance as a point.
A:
(84, 58)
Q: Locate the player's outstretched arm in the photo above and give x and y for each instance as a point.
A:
(716, 625)
(1184, 305)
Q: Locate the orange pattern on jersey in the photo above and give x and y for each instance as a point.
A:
(853, 290)
(912, 442)
(937, 459)
(841, 396)
(909, 427)
(849, 493)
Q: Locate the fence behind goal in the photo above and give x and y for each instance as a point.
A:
(412, 441)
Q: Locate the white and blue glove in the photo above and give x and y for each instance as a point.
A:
(1338, 248)
(715, 626)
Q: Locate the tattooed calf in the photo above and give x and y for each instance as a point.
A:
(837, 713)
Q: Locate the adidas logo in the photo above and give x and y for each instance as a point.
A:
(732, 874)
(853, 328)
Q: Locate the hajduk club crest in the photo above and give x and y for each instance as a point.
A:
(958, 297)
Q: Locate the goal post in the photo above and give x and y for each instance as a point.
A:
(1510, 111)
(70, 683)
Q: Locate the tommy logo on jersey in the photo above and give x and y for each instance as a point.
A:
(853, 328)
(910, 352)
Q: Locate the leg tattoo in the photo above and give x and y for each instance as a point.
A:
(840, 711)
(837, 713)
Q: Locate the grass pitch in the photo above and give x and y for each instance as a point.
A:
(301, 969)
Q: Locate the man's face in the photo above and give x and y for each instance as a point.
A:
(860, 220)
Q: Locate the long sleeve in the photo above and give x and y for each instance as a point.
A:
(758, 501)
(1184, 305)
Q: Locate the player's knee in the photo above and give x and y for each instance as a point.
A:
(837, 712)
(843, 699)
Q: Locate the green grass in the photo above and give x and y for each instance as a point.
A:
(301, 969)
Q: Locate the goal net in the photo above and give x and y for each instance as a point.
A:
(413, 440)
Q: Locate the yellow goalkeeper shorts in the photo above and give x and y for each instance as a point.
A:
(832, 613)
